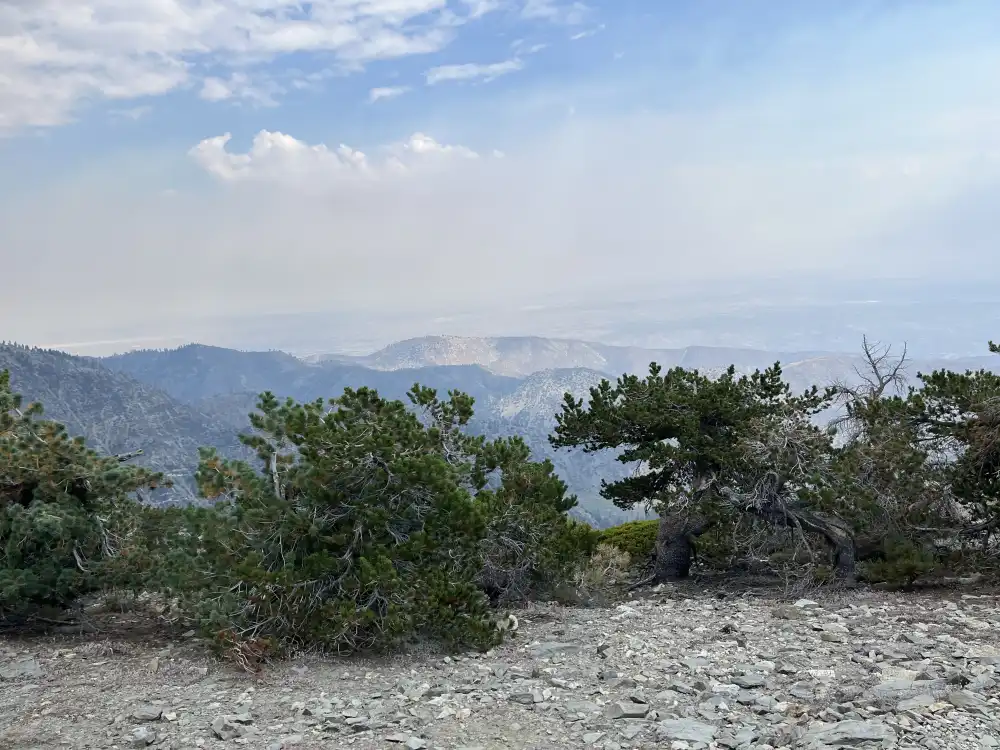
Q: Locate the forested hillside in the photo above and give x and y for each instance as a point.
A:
(171, 403)
(118, 414)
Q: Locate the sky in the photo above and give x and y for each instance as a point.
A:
(168, 159)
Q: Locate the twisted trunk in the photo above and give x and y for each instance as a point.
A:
(675, 550)
(773, 509)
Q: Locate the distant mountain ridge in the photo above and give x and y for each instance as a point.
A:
(522, 356)
(171, 402)
(196, 371)
(519, 356)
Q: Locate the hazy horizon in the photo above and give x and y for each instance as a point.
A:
(393, 163)
(938, 320)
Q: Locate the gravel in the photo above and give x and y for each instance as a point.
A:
(669, 670)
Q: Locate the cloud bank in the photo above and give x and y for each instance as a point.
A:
(286, 225)
(57, 55)
(854, 146)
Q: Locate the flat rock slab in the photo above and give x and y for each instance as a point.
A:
(852, 734)
(21, 669)
(686, 729)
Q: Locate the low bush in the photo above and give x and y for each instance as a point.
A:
(636, 538)
(66, 514)
(901, 563)
(605, 569)
(530, 546)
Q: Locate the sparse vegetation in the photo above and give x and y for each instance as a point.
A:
(637, 539)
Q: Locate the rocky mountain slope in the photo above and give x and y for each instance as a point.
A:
(518, 356)
(170, 403)
(224, 383)
(541, 394)
(117, 413)
(196, 372)
(521, 356)
(681, 669)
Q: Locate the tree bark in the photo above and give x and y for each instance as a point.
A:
(836, 532)
(675, 547)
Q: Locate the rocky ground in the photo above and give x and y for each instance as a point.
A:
(669, 669)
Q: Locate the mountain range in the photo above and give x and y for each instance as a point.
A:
(519, 356)
(171, 402)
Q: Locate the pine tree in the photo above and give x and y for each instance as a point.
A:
(365, 523)
(65, 511)
(711, 450)
(958, 419)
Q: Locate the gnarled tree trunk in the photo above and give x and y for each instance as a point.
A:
(675, 547)
(837, 533)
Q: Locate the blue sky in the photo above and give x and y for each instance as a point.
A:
(503, 148)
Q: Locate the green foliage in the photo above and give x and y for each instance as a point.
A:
(684, 427)
(636, 538)
(530, 545)
(907, 465)
(365, 522)
(957, 416)
(368, 523)
(902, 563)
(66, 515)
(710, 450)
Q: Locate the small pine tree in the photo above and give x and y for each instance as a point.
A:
(64, 511)
(367, 523)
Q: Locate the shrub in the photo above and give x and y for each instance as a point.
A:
(366, 525)
(902, 562)
(531, 546)
(66, 517)
(636, 538)
(605, 569)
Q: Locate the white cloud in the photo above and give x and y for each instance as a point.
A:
(522, 47)
(570, 13)
(54, 54)
(479, 8)
(280, 159)
(386, 92)
(471, 71)
(584, 34)
(240, 88)
(131, 113)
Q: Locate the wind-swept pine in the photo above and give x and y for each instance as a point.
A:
(711, 450)
(367, 523)
(66, 512)
(957, 416)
